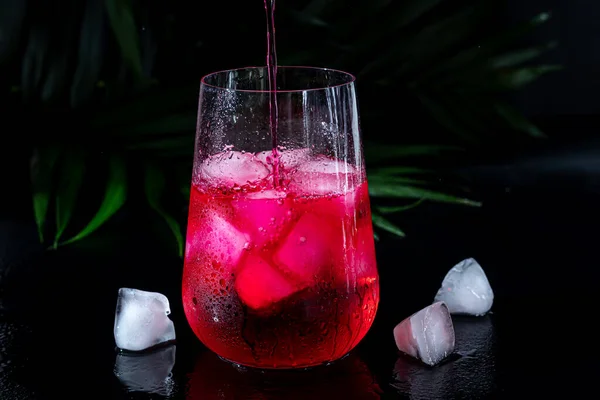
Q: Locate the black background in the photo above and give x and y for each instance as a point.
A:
(536, 237)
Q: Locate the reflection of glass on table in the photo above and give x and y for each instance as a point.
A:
(348, 378)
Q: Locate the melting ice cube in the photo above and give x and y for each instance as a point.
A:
(307, 248)
(289, 158)
(263, 214)
(217, 240)
(466, 289)
(233, 168)
(323, 175)
(427, 335)
(259, 284)
(150, 373)
(141, 320)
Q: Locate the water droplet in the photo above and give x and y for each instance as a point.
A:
(247, 246)
(222, 282)
(302, 239)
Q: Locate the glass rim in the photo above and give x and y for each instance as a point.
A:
(350, 79)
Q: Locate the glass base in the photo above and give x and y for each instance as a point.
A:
(251, 368)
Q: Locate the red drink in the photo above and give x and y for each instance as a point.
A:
(279, 278)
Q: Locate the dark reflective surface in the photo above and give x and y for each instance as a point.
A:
(469, 372)
(537, 246)
(148, 373)
(348, 378)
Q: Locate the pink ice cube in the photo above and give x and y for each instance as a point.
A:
(427, 335)
(260, 285)
(263, 215)
(322, 175)
(216, 240)
(289, 158)
(307, 248)
(233, 168)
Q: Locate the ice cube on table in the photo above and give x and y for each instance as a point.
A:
(149, 373)
(289, 158)
(466, 289)
(427, 335)
(323, 175)
(260, 285)
(141, 320)
(307, 248)
(233, 168)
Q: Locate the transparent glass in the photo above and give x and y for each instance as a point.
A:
(280, 267)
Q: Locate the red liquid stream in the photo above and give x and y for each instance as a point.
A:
(272, 76)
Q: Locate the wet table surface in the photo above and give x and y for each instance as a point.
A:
(539, 250)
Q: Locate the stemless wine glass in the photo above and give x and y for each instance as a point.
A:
(280, 267)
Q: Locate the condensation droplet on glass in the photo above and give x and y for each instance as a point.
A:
(302, 239)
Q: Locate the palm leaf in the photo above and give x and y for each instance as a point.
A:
(381, 152)
(154, 186)
(398, 170)
(123, 24)
(72, 171)
(485, 50)
(386, 189)
(114, 198)
(12, 15)
(397, 209)
(415, 45)
(386, 225)
(90, 53)
(517, 57)
(42, 168)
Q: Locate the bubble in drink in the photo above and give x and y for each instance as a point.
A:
(301, 285)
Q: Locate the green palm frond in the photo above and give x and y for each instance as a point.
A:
(432, 55)
(435, 52)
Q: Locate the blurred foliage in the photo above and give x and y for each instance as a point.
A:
(107, 90)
